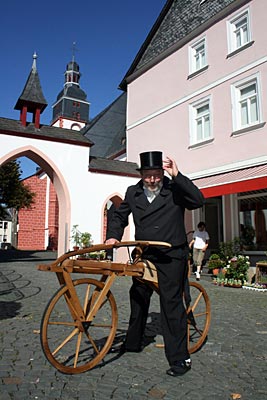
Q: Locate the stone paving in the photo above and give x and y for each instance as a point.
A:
(231, 365)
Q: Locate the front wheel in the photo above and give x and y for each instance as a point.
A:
(71, 345)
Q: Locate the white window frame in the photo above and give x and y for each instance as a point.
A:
(194, 50)
(233, 30)
(237, 102)
(195, 117)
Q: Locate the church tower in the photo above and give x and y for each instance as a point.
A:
(71, 109)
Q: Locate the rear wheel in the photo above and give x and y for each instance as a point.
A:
(197, 305)
(198, 317)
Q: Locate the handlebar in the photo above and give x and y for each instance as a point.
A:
(141, 244)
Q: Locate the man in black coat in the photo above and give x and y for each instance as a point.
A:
(157, 204)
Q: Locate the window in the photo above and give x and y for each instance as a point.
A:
(200, 124)
(76, 115)
(239, 33)
(197, 56)
(246, 107)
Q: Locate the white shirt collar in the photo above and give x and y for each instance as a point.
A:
(151, 195)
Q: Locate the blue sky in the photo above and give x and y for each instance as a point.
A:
(108, 35)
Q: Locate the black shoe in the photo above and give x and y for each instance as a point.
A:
(179, 368)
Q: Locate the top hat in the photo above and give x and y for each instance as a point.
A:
(151, 160)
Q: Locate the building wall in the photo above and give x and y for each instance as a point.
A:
(5, 233)
(53, 211)
(81, 194)
(160, 116)
(159, 102)
(31, 234)
(38, 225)
(66, 123)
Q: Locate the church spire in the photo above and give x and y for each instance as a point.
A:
(72, 73)
(71, 109)
(34, 66)
(31, 99)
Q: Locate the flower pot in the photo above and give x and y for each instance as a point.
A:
(234, 286)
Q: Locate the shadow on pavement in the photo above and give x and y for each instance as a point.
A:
(14, 288)
(24, 255)
(9, 309)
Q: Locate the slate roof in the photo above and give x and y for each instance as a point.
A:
(108, 129)
(32, 92)
(73, 92)
(178, 22)
(124, 168)
(45, 132)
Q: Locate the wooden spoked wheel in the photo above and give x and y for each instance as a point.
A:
(198, 317)
(72, 344)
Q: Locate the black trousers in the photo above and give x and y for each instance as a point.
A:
(172, 271)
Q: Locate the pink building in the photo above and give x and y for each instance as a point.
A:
(197, 91)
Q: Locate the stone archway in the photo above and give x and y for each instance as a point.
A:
(59, 184)
(110, 206)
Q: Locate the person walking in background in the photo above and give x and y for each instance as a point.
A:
(200, 244)
(157, 204)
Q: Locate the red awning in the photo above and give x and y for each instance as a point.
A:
(243, 180)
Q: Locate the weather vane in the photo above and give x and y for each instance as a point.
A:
(74, 50)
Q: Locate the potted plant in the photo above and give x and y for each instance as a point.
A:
(237, 268)
(86, 239)
(215, 264)
(247, 237)
(261, 271)
(229, 249)
(97, 255)
(76, 237)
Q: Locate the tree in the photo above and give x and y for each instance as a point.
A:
(13, 192)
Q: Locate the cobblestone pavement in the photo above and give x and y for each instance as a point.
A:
(232, 363)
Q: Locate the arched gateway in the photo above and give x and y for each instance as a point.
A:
(82, 183)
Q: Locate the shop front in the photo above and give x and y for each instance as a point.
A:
(236, 206)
